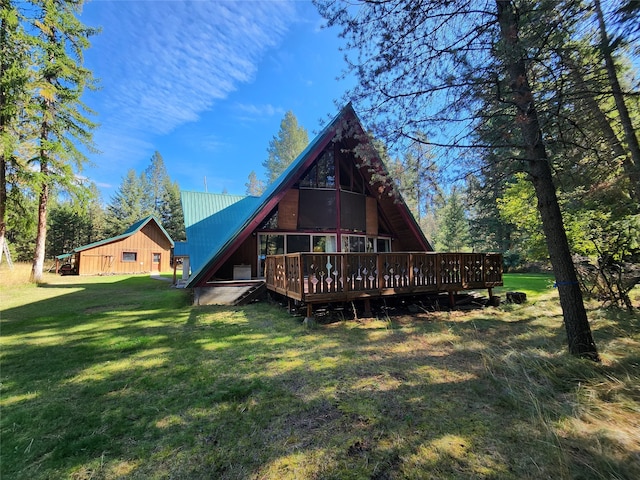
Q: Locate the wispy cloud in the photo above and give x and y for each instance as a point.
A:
(164, 63)
(259, 111)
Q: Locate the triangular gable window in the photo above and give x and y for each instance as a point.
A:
(322, 173)
(271, 222)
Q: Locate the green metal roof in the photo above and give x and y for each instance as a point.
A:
(209, 220)
(136, 227)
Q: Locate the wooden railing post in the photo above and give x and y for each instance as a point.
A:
(410, 267)
(343, 272)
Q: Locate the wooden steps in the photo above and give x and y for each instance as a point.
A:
(233, 295)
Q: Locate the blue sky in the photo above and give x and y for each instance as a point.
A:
(206, 84)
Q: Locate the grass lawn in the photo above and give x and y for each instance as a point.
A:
(535, 285)
(120, 377)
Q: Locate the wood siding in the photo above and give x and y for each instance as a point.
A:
(246, 254)
(108, 258)
(288, 211)
(372, 216)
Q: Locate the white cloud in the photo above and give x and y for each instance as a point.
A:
(164, 63)
(267, 110)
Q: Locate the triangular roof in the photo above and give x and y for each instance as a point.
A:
(228, 226)
(136, 227)
(210, 219)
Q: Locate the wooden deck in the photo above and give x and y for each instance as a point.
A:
(337, 277)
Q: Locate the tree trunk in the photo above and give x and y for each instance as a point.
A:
(37, 267)
(3, 201)
(621, 106)
(575, 316)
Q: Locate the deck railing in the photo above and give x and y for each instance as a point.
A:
(320, 277)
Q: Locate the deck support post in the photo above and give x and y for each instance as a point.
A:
(175, 271)
(452, 299)
(367, 308)
(309, 321)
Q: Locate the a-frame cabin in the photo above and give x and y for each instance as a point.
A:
(330, 228)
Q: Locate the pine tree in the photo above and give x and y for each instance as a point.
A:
(632, 164)
(171, 216)
(128, 205)
(57, 110)
(285, 147)
(155, 180)
(14, 77)
(453, 225)
(255, 186)
(75, 221)
(427, 66)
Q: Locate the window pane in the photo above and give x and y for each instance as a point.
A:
(271, 245)
(324, 243)
(356, 244)
(298, 243)
(268, 245)
(370, 244)
(322, 174)
(384, 245)
(129, 256)
(353, 243)
(319, 243)
(332, 244)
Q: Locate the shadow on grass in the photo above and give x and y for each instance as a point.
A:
(128, 380)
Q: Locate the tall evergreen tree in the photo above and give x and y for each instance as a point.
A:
(427, 66)
(155, 180)
(75, 221)
(128, 205)
(606, 49)
(59, 41)
(453, 225)
(150, 193)
(171, 215)
(285, 147)
(14, 77)
(417, 176)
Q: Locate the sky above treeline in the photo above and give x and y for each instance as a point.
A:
(206, 84)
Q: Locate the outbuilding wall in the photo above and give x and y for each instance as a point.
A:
(134, 254)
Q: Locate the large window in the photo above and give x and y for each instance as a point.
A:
(269, 244)
(354, 243)
(324, 243)
(129, 257)
(360, 243)
(322, 174)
